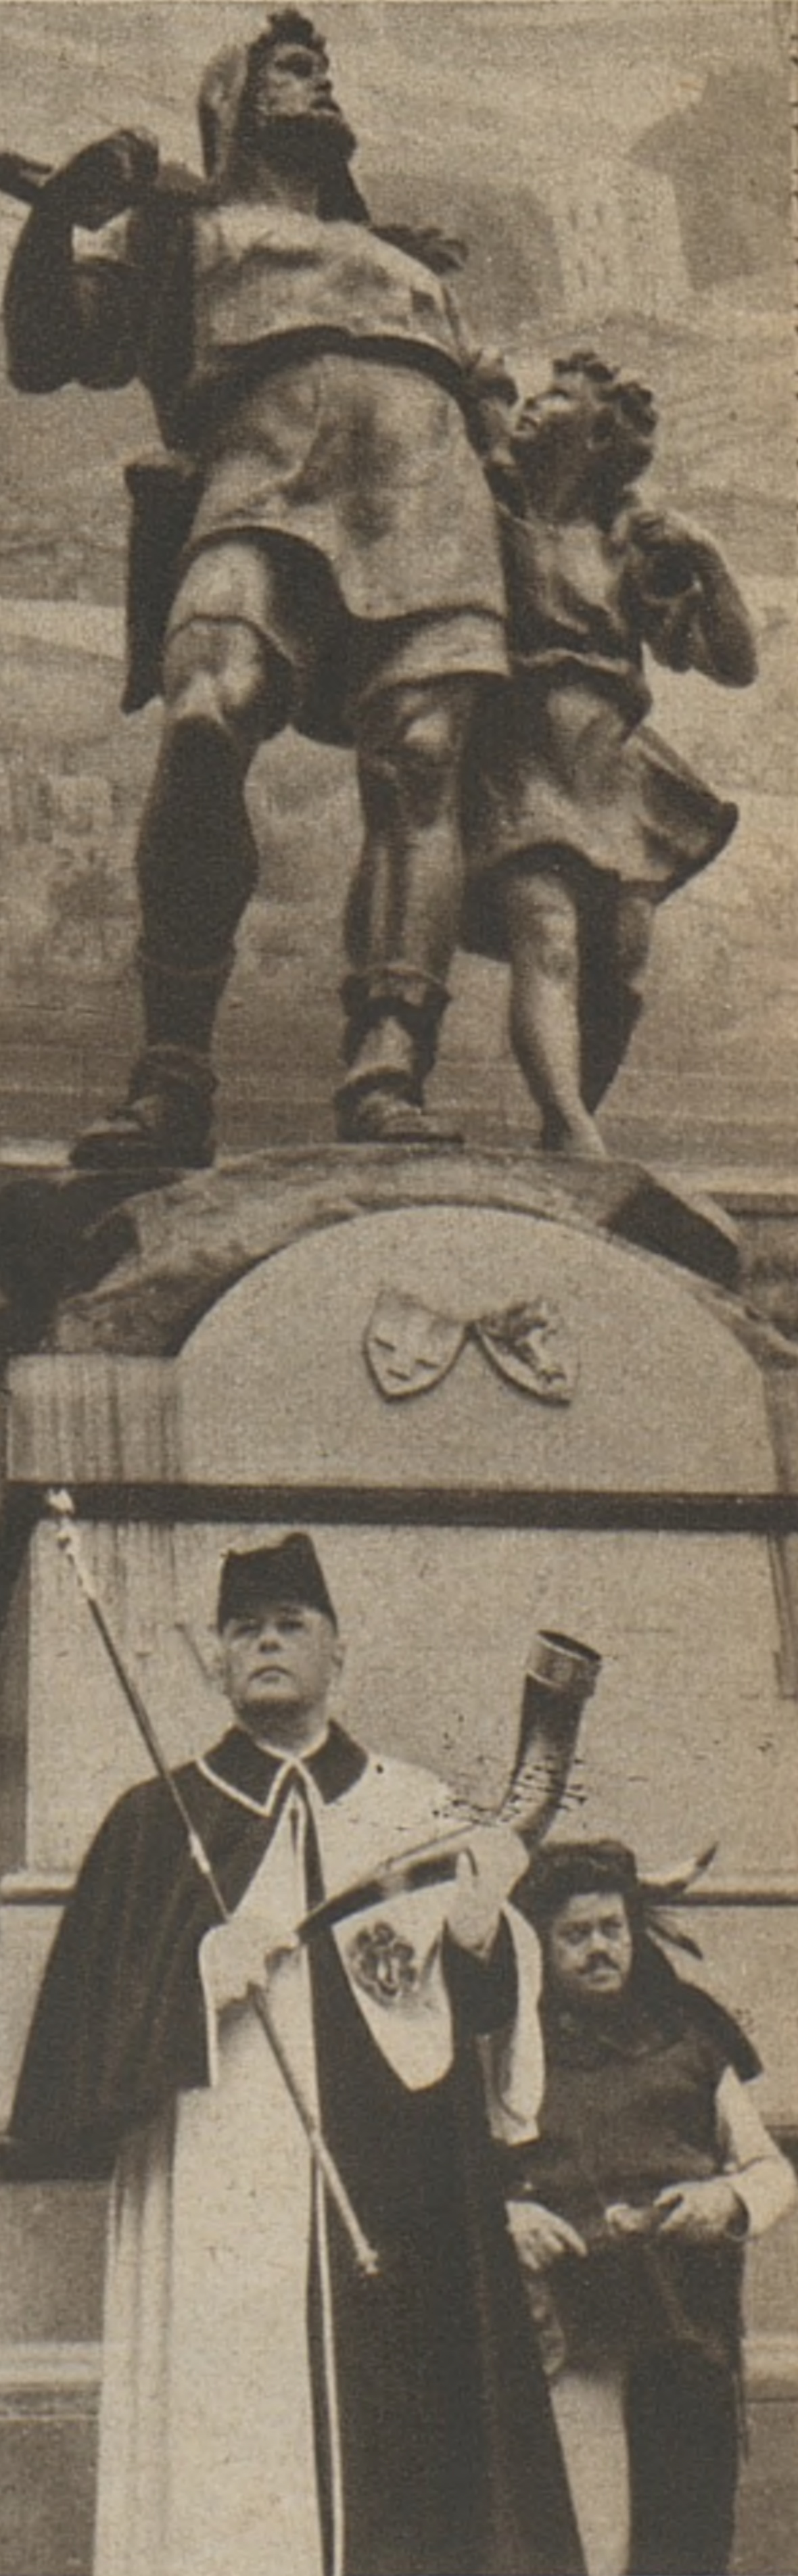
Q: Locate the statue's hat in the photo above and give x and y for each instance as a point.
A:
(261, 1578)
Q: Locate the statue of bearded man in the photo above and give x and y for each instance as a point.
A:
(316, 547)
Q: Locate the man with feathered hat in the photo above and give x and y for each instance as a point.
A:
(266, 2406)
(316, 547)
(630, 2214)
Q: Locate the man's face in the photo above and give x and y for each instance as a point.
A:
(278, 1664)
(589, 1943)
(292, 81)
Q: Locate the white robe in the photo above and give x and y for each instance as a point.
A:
(206, 2439)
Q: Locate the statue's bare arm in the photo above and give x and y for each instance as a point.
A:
(72, 318)
(692, 613)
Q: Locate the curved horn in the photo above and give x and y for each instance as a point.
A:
(675, 1882)
(561, 1676)
(559, 1679)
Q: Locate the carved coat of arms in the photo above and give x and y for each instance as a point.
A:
(410, 1347)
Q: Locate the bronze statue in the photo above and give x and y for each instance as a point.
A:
(579, 819)
(316, 545)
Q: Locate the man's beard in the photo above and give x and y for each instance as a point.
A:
(318, 139)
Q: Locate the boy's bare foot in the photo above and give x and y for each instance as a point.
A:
(576, 1135)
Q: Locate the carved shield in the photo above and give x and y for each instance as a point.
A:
(531, 1347)
(408, 1347)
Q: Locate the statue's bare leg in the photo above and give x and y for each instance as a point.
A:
(403, 914)
(543, 939)
(619, 991)
(225, 691)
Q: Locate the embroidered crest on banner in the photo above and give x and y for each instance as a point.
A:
(410, 1347)
(383, 1962)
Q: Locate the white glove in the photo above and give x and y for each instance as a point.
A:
(241, 1954)
(702, 2211)
(494, 1860)
(540, 2237)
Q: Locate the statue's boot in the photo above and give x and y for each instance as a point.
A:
(164, 1123)
(196, 866)
(393, 1016)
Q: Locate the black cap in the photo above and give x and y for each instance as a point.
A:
(255, 1578)
(562, 1870)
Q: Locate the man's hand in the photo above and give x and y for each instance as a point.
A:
(104, 179)
(630, 2218)
(493, 1862)
(700, 2211)
(540, 2237)
(242, 1954)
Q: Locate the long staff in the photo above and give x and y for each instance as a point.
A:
(61, 1505)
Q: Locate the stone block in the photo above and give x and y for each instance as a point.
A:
(52, 2253)
(274, 1385)
(48, 2449)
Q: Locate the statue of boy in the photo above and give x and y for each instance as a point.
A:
(579, 819)
(317, 547)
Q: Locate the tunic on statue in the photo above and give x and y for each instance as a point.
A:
(563, 762)
(253, 2381)
(310, 380)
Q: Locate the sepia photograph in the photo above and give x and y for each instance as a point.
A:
(398, 1289)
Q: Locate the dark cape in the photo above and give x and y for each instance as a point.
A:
(451, 2462)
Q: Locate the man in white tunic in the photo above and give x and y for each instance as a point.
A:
(265, 2405)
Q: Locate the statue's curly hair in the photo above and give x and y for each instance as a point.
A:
(289, 27)
(626, 413)
(620, 419)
